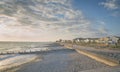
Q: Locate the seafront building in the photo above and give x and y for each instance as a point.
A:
(103, 41)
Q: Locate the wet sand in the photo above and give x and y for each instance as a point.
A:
(62, 61)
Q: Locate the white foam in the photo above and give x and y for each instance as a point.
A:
(16, 60)
(27, 49)
(39, 49)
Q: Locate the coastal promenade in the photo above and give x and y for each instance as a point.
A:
(107, 56)
(110, 57)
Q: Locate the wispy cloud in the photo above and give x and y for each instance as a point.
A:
(111, 4)
(44, 20)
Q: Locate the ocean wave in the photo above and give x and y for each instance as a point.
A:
(16, 50)
(16, 61)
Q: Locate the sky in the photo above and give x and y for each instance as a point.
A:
(50, 20)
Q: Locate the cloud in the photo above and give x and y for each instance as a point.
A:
(111, 4)
(43, 20)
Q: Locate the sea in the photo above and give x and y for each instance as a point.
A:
(22, 45)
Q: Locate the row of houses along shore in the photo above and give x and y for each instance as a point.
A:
(103, 41)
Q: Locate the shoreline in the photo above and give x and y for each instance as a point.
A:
(54, 61)
(16, 66)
